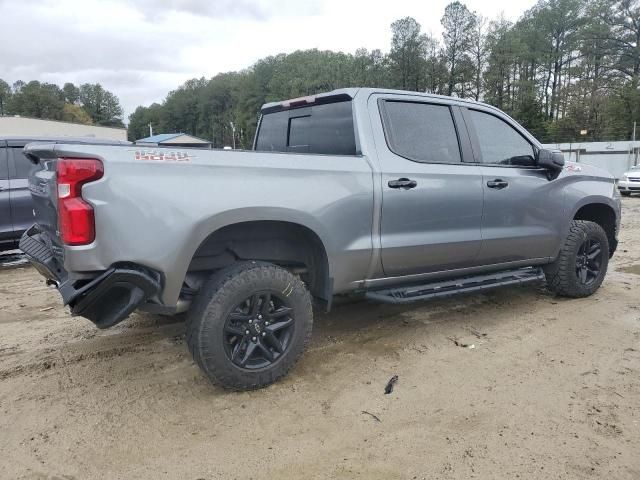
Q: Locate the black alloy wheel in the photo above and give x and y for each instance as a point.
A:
(259, 330)
(589, 261)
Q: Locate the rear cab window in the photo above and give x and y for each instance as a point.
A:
(326, 129)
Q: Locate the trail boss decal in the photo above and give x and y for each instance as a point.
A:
(159, 156)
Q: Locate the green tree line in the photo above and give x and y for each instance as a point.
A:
(567, 70)
(89, 104)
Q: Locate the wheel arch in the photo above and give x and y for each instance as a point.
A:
(291, 244)
(602, 213)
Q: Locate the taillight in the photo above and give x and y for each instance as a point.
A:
(75, 216)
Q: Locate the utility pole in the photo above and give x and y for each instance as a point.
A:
(150, 130)
(233, 132)
(633, 145)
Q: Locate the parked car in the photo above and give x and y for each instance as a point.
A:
(16, 210)
(16, 206)
(400, 196)
(630, 181)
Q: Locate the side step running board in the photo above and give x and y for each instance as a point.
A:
(448, 288)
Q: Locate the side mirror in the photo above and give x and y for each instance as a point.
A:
(553, 161)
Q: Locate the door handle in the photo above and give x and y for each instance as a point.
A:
(403, 183)
(498, 184)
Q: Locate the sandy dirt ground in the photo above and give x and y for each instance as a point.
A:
(550, 390)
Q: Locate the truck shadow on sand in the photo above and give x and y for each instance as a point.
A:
(364, 328)
(356, 316)
(360, 329)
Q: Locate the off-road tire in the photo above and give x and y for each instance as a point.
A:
(561, 275)
(215, 302)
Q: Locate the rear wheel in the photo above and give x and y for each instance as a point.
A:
(249, 325)
(582, 263)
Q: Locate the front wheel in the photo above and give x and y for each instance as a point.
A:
(582, 263)
(249, 325)
(625, 194)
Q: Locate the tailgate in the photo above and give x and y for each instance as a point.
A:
(43, 181)
(42, 184)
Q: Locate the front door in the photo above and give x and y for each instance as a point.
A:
(520, 201)
(431, 199)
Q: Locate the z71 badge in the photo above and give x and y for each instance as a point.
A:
(159, 156)
(572, 167)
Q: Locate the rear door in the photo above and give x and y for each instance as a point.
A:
(20, 196)
(431, 195)
(6, 226)
(519, 198)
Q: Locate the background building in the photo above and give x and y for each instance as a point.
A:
(18, 126)
(615, 157)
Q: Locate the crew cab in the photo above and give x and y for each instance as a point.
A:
(396, 195)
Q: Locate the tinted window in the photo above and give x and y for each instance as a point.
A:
(326, 129)
(4, 171)
(22, 165)
(421, 132)
(299, 131)
(499, 142)
(272, 136)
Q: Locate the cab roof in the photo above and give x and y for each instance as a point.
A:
(346, 94)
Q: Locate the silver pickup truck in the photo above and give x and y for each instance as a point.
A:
(396, 196)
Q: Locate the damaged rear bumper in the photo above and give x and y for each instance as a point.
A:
(107, 298)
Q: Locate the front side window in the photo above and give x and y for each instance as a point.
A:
(421, 132)
(500, 143)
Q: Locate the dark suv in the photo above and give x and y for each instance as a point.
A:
(16, 209)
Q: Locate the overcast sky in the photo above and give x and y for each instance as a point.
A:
(142, 49)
